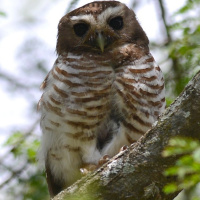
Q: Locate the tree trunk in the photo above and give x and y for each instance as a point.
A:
(137, 172)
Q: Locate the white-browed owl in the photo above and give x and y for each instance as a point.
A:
(104, 91)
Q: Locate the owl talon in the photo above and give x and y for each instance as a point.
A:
(125, 147)
(103, 160)
(86, 168)
(84, 171)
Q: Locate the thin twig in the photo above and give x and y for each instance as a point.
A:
(27, 134)
(13, 175)
(164, 16)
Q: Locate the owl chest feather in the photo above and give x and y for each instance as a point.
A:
(79, 95)
(87, 96)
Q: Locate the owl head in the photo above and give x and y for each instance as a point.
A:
(99, 27)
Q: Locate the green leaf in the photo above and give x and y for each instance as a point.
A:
(180, 145)
(32, 151)
(3, 14)
(14, 138)
(187, 167)
(171, 171)
(170, 188)
(196, 155)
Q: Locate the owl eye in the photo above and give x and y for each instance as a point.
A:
(116, 23)
(80, 29)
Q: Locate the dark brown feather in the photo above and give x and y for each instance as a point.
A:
(54, 186)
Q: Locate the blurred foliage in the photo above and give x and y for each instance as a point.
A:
(186, 168)
(183, 48)
(2, 14)
(72, 5)
(24, 147)
(24, 178)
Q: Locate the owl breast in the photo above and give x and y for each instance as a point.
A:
(83, 89)
(90, 96)
(76, 102)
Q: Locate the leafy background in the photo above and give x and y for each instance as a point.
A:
(177, 51)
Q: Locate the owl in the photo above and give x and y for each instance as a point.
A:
(104, 91)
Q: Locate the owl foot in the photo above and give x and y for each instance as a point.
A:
(103, 160)
(123, 148)
(86, 168)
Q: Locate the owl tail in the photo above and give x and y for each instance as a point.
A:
(54, 186)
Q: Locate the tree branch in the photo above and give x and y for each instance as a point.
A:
(137, 173)
(164, 20)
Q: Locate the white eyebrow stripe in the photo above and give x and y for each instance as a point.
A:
(88, 18)
(103, 17)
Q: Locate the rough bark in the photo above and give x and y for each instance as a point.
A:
(137, 173)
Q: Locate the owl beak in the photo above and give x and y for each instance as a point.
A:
(100, 41)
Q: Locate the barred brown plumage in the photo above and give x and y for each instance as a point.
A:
(104, 91)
